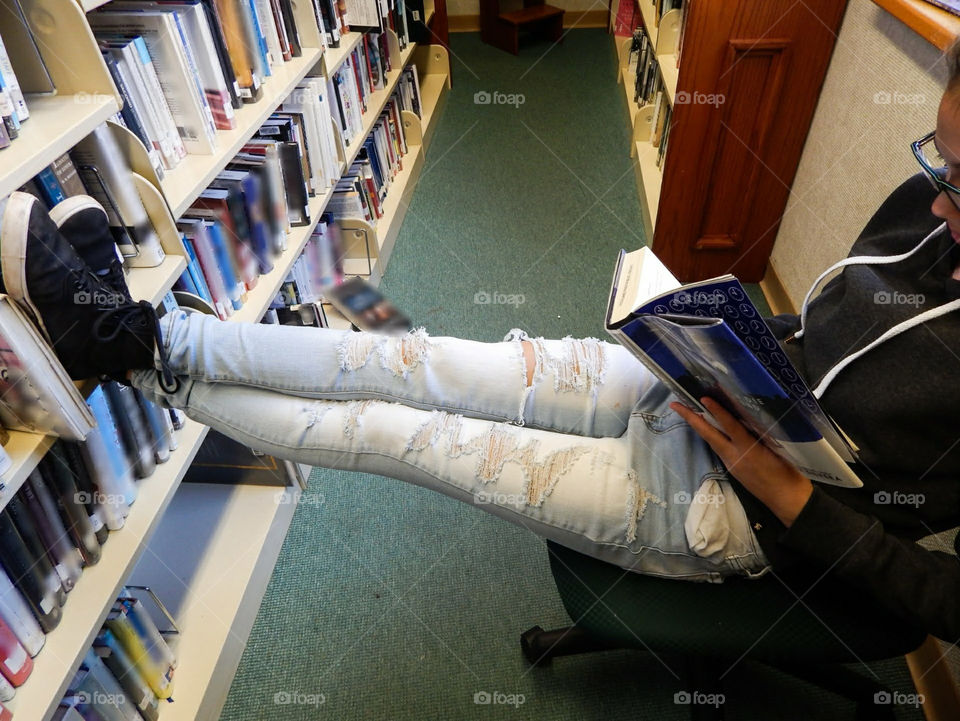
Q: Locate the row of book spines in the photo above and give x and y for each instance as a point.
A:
(363, 188)
(215, 229)
(183, 68)
(319, 266)
(96, 167)
(126, 673)
(58, 521)
(13, 106)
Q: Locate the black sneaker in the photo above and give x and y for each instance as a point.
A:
(83, 320)
(84, 223)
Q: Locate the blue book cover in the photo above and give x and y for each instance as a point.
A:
(708, 339)
(185, 283)
(260, 38)
(259, 233)
(50, 187)
(233, 286)
(97, 401)
(196, 273)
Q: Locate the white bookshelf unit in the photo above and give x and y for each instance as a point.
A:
(179, 538)
(663, 37)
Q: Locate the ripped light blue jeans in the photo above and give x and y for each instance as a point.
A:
(589, 455)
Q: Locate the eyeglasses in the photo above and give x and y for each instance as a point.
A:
(926, 153)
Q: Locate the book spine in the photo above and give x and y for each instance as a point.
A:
(11, 84)
(114, 477)
(16, 613)
(50, 187)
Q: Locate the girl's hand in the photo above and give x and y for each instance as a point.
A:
(778, 484)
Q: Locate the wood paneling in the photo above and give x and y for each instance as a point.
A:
(749, 91)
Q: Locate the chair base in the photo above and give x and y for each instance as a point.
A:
(540, 647)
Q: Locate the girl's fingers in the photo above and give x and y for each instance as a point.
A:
(716, 439)
(734, 429)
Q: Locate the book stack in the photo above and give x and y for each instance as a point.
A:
(238, 226)
(360, 75)
(13, 106)
(126, 673)
(643, 65)
(183, 68)
(97, 167)
(318, 267)
(362, 190)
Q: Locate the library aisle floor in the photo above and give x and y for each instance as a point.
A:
(390, 602)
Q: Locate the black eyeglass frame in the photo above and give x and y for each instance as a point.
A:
(934, 174)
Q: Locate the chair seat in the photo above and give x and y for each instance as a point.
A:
(531, 14)
(831, 624)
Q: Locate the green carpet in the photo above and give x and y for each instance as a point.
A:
(392, 602)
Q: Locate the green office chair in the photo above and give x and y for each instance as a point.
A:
(707, 624)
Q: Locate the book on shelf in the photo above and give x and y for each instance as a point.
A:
(118, 662)
(708, 339)
(106, 176)
(145, 112)
(57, 580)
(73, 513)
(22, 570)
(174, 65)
(36, 394)
(95, 693)
(11, 88)
(16, 613)
(141, 640)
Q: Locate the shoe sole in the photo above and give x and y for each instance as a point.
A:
(66, 209)
(15, 231)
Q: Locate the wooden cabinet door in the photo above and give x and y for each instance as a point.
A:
(750, 77)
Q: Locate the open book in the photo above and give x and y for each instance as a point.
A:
(708, 339)
(36, 394)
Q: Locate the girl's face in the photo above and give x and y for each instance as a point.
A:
(948, 143)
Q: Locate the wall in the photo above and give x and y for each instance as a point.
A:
(881, 93)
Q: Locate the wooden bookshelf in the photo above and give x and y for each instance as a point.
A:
(210, 561)
(935, 25)
(209, 652)
(90, 600)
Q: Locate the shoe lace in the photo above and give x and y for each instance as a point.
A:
(129, 317)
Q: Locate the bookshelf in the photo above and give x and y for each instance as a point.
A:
(182, 184)
(663, 36)
(741, 80)
(166, 512)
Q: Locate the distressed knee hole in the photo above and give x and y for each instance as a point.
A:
(583, 365)
(530, 360)
(355, 410)
(402, 354)
(355, 350)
